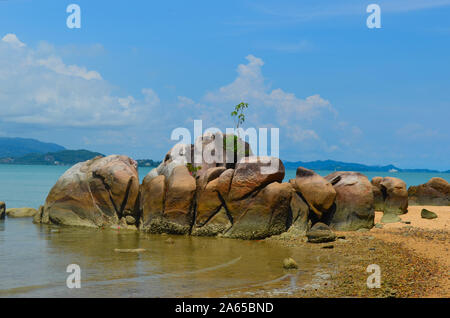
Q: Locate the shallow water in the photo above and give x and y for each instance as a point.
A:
(34, 258)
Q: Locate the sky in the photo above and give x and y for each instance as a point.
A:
(137, 70)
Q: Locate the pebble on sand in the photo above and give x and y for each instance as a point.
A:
(289, 263)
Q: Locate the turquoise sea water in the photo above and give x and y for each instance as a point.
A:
(28, 186)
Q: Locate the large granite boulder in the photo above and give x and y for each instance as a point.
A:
(354, 205)
(99, 192)
(248, 202)
(2, 210)
(167, 204)
(318, 192)
(21, 212)
(434, 192)
(390, 195)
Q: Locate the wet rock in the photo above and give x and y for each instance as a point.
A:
(263, 214)
(2, 210)
(130, 220)
(318, 192)
(354, 206)
(427, 214)
(21, 212)
(289, 263)
(37, 219)
(98, 192)
(434, 192)
(169, 241)
(390, 218)
(320, 233)
(129, 250)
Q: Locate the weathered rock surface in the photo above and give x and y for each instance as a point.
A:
(320, 233)
(427, 214)
(21, 212)
(98, 192)
(318, 192)
(248, 202)
(2, 210)
(434, 192)
(354, 205)
(390, 195)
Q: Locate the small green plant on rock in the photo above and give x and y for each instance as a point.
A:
(193, 170)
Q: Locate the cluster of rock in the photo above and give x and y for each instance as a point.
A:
(243, 196)
(434, 192)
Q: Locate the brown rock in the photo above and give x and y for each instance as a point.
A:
(2, 210)
(254, 173)
(152, 202)
(95, 193)
(179, 201)
(317, 191)
(378, 197)
(354, 202)
(434, 192)
(395, 195)
(266, 213)
(21, 212)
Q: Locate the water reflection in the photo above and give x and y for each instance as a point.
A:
(186, 266)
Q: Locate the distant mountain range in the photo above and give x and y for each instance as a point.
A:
(17, 147)
(345, 166)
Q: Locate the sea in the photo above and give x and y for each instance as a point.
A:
(37, 260)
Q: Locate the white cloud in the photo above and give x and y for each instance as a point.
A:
(12, 40)
(37, 87)
(55, 64)
(250, 86)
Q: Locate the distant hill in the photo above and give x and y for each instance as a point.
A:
(345, 166)
(17, 147)
(148, 163)
(64, 157)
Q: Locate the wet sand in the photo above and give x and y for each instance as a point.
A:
(413, 258)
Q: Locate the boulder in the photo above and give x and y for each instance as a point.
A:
(254, 173)
(320, 233)
(390, 218)
(318, 192)
(2, 210)
(152, 192)
(434, 192)
(178, 212)
(21, 212)
(390, 195)
(95, 193)
(427, 214)
(354, 206)
(263, 214)
(378, 196)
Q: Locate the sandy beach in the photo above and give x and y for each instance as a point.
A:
(414, 261)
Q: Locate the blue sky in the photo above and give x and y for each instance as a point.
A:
(134, 72)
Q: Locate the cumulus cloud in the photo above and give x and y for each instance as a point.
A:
(250, 86)
(13, 40)
(37, 87)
